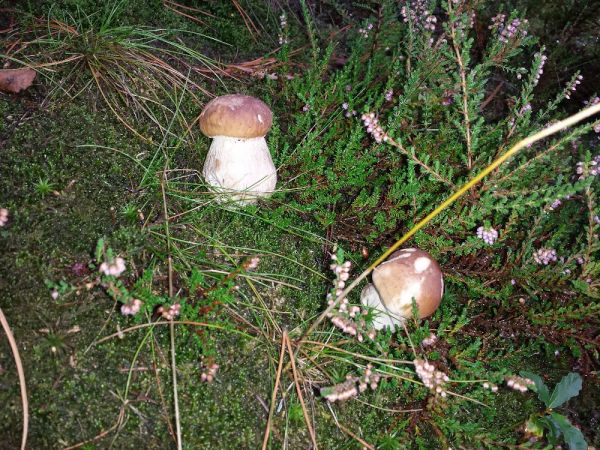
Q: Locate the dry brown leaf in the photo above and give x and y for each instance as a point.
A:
(16, 80)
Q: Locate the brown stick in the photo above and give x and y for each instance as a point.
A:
(313, 437)
(21, 374)
(274, 396)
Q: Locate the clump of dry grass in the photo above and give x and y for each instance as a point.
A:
(133, 68)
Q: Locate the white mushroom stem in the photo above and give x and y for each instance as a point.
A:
(240, 169)
(384, 318)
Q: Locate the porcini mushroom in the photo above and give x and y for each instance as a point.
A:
(238, 166)
(408, 274)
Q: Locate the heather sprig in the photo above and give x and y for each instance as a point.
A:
(348, 318)
(352, 386)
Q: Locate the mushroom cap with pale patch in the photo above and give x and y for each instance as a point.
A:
(409, 273)
(236, 115)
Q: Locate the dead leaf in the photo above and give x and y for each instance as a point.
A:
(16, 80)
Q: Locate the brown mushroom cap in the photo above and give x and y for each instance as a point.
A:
(236, 115)
(409, 273)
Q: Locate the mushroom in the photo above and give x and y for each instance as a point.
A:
(408, 273)
(238, 166)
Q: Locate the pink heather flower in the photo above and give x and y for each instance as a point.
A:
(132, 307)
(346, 317)
(514, 29)
(365, 31)
(540, 69)
(115, 268)
(306, 108)
(344, 106)
(555, 204)
(54, 294)
(492, 387)
(373, 128)
(418, 14)
(171, 312)
(489, 235)
(252, 263)
(544, 256)
(497, 22)
(519, 383)
(352, 386)
(588, 169)
(572, 86)
(3, 216)
(429, 340)
(431, 378)
(389, 94)
(210, 374)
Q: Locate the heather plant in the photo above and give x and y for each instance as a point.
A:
(411, 115)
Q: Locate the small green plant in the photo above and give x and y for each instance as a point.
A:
(130, 212)
(549, 423)
(44, 187)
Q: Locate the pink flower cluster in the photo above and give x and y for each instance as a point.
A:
(348, 112)
(373, 128)
(497, 22)
(251, 263)
(490, 386)
(169, 313)
(572, 86)
(591, 169)
(432, 378)
(540, 70)
(417, 13)
(132, 307)
(519, 383)
(544, 256)
(210, 373)
(489, 235)
(345, 318)
(365, 31)
(389, 95)
(555, 204)
(514, 28)
(429, 340)
(115, 268)
(3, 216)
(283, 24)
(352, 386)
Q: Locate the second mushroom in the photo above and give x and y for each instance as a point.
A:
(238, 166)
(409, 274)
